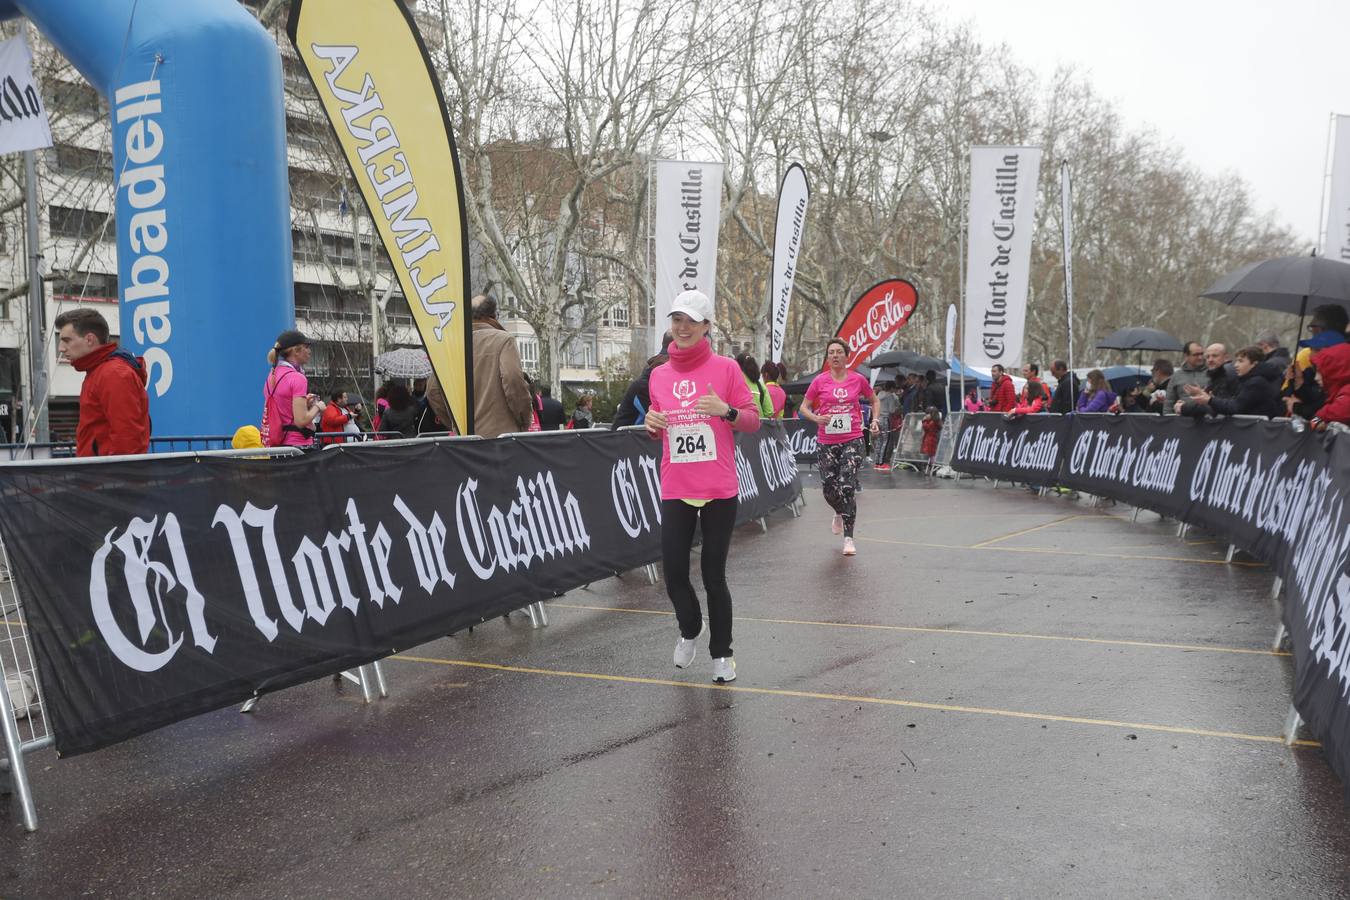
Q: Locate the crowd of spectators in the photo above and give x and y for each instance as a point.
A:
(1261, 379)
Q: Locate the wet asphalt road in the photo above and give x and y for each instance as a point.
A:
(1000, 696)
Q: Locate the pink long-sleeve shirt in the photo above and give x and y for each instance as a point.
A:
(698, 451)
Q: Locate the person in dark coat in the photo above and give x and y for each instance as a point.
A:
(1255, 395)
(1276, 356)
(1066, 388)
(632, 409)
(935, 395)
(1221, 380)
(1223, 376)
(552, 416)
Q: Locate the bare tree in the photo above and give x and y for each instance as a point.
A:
(563, 101)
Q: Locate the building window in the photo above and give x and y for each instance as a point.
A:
(81, 161)
(616, 316)
(304, 133)
(529, 353)
(80, 223)
(86, 286)
(77, 96)
(580, 353)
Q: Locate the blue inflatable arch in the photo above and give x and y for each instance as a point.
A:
(203, 210)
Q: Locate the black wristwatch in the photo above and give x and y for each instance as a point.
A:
(731, 414)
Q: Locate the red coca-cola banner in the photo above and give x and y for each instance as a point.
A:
(879, 313)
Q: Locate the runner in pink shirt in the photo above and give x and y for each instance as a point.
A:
(697, 400)
(832, 403)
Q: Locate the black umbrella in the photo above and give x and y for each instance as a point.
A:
(1292, 284)
(1139, 339)
(907, 359)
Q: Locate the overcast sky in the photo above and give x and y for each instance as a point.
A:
(1241, 86)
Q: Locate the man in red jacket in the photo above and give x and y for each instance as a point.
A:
(1002, 396)
(114, 409)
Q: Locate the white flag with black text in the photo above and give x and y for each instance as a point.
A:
(998, 255)
(23, 115)
(1337, 243)
(688, 207)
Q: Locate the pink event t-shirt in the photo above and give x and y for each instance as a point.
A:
(838, 401)
(284, 384)
(675, 392)
(778, 397)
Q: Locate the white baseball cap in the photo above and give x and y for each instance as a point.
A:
(694, 304)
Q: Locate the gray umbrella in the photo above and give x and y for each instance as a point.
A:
(1139, 338)
(1292, 284)
(405, 362)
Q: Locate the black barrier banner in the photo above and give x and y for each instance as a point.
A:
(801, 437)
(1279, 494)
(161, 588)
(1025, 449)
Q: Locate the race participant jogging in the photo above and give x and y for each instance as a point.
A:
(697, 400)
(832, 403)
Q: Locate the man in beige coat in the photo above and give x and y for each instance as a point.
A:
(501, 398)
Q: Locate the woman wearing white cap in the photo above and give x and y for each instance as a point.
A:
(697, 400)
(832, 403)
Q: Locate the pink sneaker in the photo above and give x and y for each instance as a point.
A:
(849, 549)
(837, 524)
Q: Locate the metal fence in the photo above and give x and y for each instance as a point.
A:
(181, 444)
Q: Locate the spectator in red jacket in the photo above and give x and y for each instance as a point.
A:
(1033, 399)
(1333, 371)
(333, 422)
(1002, 396)
(114, 409)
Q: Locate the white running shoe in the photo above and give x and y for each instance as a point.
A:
(849, 549)
(686, 648)
(837, 524)
(724, 669)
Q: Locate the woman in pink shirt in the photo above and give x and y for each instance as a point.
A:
(771, 372)
(832, 403)
(289, 408)
(699, 485)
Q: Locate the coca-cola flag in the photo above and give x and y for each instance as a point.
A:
(880, 312)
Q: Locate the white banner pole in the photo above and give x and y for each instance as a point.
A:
(949, 348)
(1336, 237)
(1066, 220)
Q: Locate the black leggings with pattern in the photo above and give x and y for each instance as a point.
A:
(838, 465)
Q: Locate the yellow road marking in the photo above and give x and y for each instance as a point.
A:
(850, 698)
(1024, 531)
(917, 629)
(1212, 562)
